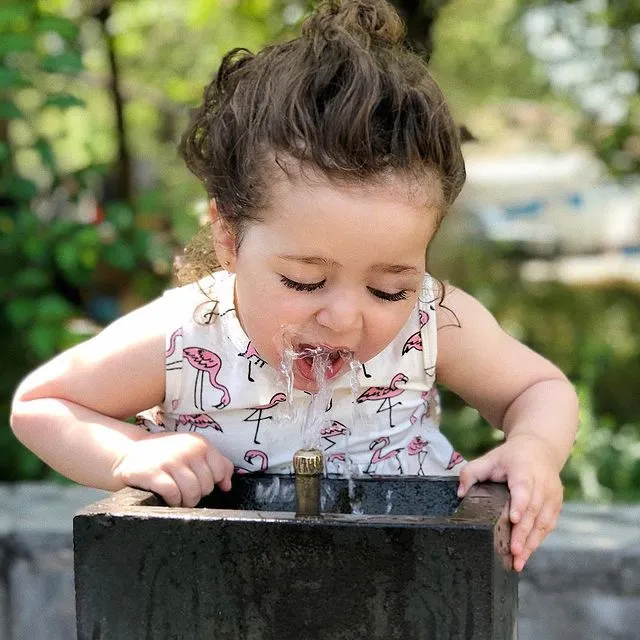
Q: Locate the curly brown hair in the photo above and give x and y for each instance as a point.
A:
(347, 99)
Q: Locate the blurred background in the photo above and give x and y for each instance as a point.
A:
(95, 203)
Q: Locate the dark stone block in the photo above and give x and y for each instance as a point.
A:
(416, 564)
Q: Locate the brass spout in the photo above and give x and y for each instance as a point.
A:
(308, 465)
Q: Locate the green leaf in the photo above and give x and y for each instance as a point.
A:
(119, 215)
(53, 308)
(36, 250)
(30, 465)
(21, 188)
(43, 339)
(13, 42)
(120, 255)
(63, 101)
(14, 14)
(4, 151)
(8, 110)
(67, 62)
(65, 256)
(43, 147)
(12, 79)
(31, 279)
(61, 26)
(20, 311)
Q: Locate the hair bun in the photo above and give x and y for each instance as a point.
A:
(374, 21)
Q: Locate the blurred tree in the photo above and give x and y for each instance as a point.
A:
(590, 50)
(55, 236)
(420, 17)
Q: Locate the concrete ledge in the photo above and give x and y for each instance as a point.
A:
(583, 583)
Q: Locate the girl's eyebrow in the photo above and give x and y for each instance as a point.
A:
(395, 268)
(324, 262)
(314, 260)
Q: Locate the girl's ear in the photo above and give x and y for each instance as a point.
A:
(224, 240)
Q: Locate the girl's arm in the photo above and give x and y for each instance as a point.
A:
(71, 411)
(520, 392)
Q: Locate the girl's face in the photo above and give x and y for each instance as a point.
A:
(332, 267)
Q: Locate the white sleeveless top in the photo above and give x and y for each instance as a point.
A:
(217, 385)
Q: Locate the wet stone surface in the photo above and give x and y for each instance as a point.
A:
(396, 496)
(428, 570)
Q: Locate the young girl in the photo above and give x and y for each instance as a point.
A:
(329, 162)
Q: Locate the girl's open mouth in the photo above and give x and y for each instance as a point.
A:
(314, 362)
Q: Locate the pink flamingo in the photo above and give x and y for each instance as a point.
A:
(415, 341)
(421, 409)
(278, 397)
(335, 429)
(197, 421)
(206, 361)
(250, 456)
(157, 418)
(417, 447)
(377, 446)
(250, 352)
(338, 458)
(385, 394)
(172, 343)
(455, 459)
(433, 405)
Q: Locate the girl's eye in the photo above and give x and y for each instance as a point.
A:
(391, 297)
(301, 286)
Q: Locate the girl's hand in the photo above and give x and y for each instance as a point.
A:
(180, 467)
(528, 465)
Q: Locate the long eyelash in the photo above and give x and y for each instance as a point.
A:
(391, 297)
(301, 286)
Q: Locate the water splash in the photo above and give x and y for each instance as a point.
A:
(389, 503)
(312, 417)
(357, 422)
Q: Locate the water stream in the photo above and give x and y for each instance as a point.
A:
(312, 417)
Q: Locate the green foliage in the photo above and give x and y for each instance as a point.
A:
(59, 247)
(591, 334)
(602, 38)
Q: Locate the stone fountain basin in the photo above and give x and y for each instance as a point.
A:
(415, 563)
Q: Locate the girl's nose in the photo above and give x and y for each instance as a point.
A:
(340, 314)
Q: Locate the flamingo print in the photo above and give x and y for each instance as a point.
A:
(415, 341)
(250, 456)
(212, 313)
(197, 421)
(206, 361)
(385, 394)
(278, 397)
(417, 447)
(433, 405)
(422, 409)
(377, 446)
(455, 459)
(172, 344)
(334, 429)
(250, 352)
